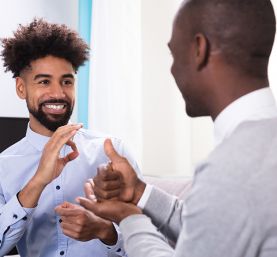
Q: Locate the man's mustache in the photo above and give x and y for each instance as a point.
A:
(55, 101)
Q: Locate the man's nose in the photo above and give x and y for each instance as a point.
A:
(56, 91)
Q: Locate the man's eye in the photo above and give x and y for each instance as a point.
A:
(67, 82)
(44, 82)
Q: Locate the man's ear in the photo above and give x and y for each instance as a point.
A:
(20, 87)
(202, 50)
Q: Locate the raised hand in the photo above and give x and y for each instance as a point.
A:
(117, 180)
(50, 165)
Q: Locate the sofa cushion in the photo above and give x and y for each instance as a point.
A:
(178, 186)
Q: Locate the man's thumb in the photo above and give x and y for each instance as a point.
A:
(110, 151)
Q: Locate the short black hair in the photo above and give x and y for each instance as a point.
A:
(243, 30)
(40, 39)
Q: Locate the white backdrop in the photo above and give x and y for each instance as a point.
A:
(115, 88)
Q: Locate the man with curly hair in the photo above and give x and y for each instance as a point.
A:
(37, 188)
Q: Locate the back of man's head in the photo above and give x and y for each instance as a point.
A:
(242, 30)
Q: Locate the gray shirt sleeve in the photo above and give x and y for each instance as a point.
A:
(212, 222)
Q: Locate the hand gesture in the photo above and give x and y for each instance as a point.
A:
(117, 180)
(51, 164)
(83, 225)
(114, 211)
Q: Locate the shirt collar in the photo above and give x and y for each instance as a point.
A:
(257, 105)
(35, 139)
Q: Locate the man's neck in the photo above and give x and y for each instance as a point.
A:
(230, 93)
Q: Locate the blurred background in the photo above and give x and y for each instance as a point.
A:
(126, 89)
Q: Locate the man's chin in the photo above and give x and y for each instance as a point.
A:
(54, 118)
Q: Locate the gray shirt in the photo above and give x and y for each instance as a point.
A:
(230, 211)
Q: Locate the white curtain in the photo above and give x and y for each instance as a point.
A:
(115, 78)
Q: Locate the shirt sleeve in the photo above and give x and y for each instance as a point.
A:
(118, 248)
(212, 220)
(143, 239)
(14, 220)
(145, 196)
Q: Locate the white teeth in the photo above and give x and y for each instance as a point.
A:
(55, 107)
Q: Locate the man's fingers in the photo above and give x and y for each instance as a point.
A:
(62, 136)
(104, 172)
(68, 209)
(88, 204)
(73, 155)
(72, 145)
(107, 185)
(88, 188)
(110, 151)
(67, 212)
(103, 194)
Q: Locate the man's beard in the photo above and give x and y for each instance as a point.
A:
(56, 121)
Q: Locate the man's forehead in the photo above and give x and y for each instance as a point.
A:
(51, 65)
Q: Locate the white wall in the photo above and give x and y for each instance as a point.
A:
(14, 12)
(172, 142)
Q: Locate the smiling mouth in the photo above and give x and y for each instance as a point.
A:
(55, 106)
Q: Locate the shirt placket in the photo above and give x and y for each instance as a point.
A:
(59, 199)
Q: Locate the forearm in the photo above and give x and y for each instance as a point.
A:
(167, 219)
(142, 238)
(30, 194)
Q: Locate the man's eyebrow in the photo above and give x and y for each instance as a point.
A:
(38, 76)
(69, 75)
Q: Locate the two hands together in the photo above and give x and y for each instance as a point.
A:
(116, 189)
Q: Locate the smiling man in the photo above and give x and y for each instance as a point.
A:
(37, 188)
(220, 52)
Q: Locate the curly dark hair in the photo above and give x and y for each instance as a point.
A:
(40, 39)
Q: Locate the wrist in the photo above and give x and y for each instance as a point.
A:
(28, 197)
(38, 181)
(109, 234)
(139, 189)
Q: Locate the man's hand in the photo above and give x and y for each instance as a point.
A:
(50, 165)
(83, 225)
(118, 180)
(114, 211)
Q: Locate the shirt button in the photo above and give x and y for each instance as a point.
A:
(118, 250)
(24, 218)
(61, 252)
(15, 216)
(60, 220)
(58, 187)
